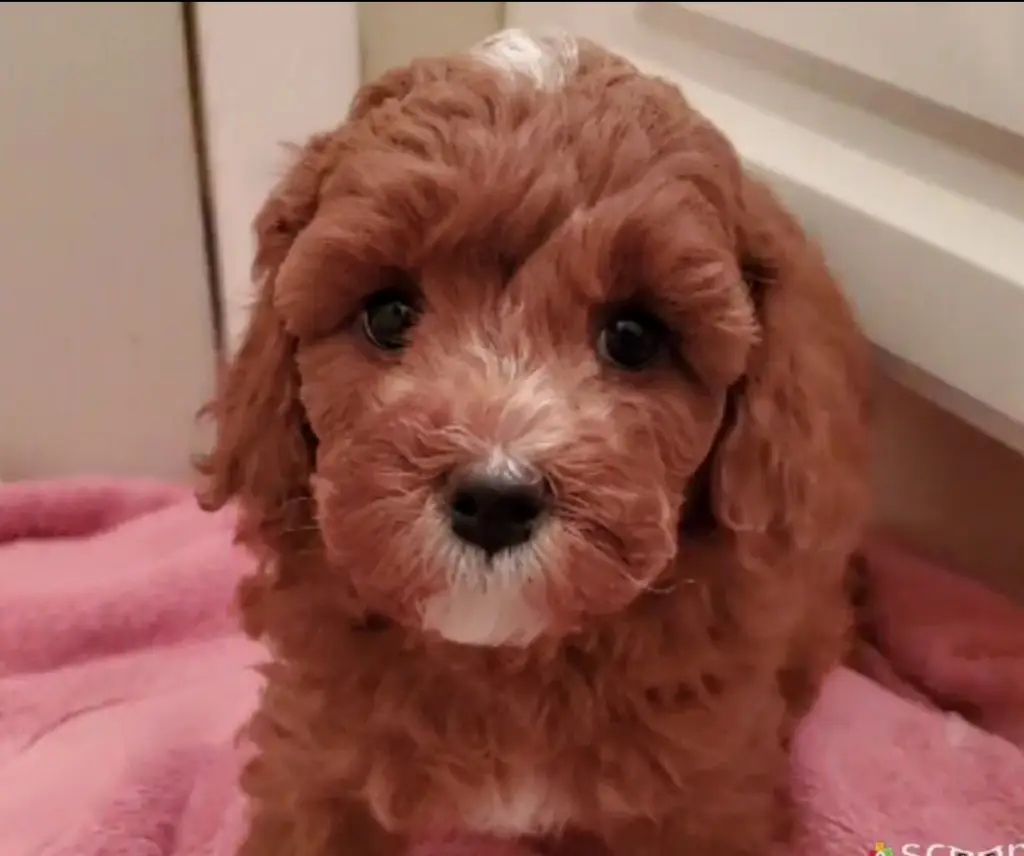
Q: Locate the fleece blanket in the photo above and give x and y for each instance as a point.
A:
(123, 681)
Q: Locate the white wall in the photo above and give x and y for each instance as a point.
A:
(106, 346)
(273, 74)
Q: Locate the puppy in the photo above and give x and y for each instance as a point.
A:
(549, 432)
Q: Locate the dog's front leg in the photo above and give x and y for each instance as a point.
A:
(337, 829)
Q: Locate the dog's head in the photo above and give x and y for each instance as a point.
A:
(521, 318)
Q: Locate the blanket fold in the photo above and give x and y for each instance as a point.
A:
(123, 680)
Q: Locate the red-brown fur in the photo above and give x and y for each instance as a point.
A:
(660, 713)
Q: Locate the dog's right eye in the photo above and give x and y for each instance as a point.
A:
(387, 318)
(631, 340)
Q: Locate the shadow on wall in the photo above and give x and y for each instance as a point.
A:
(950, 487)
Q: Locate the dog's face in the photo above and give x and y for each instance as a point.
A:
(512, 312)
(501, 452)
(505, 441)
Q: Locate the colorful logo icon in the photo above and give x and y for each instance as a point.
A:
(880, 850)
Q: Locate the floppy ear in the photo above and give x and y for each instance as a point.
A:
(262, 455)
(791, 472)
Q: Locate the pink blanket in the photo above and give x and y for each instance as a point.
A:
(123, 680)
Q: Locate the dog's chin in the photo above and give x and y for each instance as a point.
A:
(545, 588)
(484, 617)
(493, 601)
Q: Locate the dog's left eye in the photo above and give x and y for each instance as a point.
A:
(631, 340)
(387, 318)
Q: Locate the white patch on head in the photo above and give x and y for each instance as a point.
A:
(527, 808)
(548, 61)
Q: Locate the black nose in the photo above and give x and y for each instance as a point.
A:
(495, 512)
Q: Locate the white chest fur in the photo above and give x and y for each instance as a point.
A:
(525, 807)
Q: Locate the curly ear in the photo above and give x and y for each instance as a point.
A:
(791, 472)
(262, 454)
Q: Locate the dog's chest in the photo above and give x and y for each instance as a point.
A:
(525, 806)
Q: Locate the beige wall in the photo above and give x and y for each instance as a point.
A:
(106, 342)
(394, 33)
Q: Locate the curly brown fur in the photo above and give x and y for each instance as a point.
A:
(686, 598)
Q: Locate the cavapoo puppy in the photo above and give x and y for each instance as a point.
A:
(549, 433)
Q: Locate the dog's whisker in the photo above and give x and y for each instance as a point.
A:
(647, 585)
(660, 589)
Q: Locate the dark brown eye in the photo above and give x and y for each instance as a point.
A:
(631, 340)
(388, 317)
